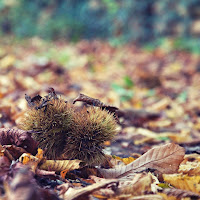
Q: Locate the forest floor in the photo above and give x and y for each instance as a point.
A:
(155, 154)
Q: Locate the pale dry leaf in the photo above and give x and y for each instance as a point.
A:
(164, 159)
(60, 165)
(63, 188)
(190, 168)
(75, 194)
(139, 185)
(41, 172)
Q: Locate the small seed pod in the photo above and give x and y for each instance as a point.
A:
(91, 128)
(49, 125)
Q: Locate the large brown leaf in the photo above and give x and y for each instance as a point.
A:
(163, 159)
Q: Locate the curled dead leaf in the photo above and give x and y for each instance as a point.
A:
(95, 102)
(32, 161)
(18, 137)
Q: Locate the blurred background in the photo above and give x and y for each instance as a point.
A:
(127, 53)
(147, 22)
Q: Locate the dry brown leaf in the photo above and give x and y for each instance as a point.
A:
(139, 185)
(4, 167)
(60, 165)
(14, 151)
(76, 194)
(147, 197)
(178, 193)
(19, 138)
(95, 102)
(23, 186)
(164, 159)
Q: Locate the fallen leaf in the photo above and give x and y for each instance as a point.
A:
(95, 102)
(4, 167)
(23, 186)
(178, 193)
(76, 194)
(150, 136)
(41, 172)
(28, 159)
(190, 168)
(32, 161)
(139, 185)
(14, 151)
(60, 165)
(164, 159)
(184, 182)
(126, 161)
(19, 138)
(147, 197)
(160, 105)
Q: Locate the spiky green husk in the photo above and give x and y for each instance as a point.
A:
(50, 126)
(91, 128)
(65, 133)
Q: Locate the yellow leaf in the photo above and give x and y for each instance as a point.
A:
(28, 159)
(32, 161)
(39, 154)
(63, 173)
(7, 61)
(107, 143)
(165, 197)
(128, 160)
(184, 182)
(124, 160)
(98, 196)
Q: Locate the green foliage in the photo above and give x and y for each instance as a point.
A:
(119, 21)
(128, 82)
(124, 94)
